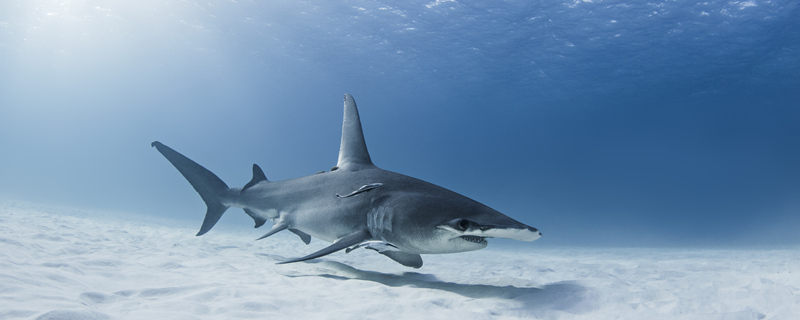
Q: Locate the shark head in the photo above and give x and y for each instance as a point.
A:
(424, 223)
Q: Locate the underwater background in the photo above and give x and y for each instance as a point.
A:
(611, 123)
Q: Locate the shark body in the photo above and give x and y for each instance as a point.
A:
(356, 205)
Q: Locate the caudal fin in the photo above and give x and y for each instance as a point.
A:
(210, 187)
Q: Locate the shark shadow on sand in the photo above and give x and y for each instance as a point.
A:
(566, 296)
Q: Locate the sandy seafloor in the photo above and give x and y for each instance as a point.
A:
(62, 264)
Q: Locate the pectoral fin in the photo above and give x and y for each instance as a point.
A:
(391, 251)
(341, 243)
(406, 259)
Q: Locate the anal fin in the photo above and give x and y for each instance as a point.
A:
(341, 243)
(259, 220)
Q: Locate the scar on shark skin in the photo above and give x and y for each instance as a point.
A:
(393, 214)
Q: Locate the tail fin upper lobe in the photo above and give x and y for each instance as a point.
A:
(210, 187)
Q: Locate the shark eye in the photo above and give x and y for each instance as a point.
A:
(463, 224)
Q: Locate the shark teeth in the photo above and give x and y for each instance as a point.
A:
(475, 239)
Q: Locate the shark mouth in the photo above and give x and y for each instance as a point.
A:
(475, 239)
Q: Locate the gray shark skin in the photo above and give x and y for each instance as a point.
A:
(356, 205)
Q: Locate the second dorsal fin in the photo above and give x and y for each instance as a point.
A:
(353, 153)
(258, 176)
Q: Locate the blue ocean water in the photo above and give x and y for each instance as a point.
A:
(600, 122)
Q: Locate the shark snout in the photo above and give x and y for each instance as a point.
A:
(523, 234)
(536, 231)
(513, 230)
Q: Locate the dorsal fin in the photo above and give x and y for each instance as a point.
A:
(353, 153)
(258, 176)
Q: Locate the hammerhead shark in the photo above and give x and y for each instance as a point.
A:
(356, 205)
